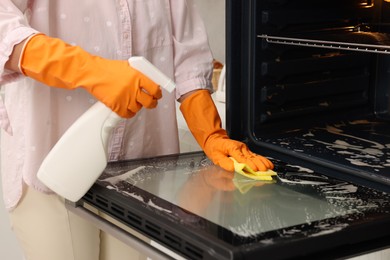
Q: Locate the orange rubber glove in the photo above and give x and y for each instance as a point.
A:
(113, 82)
(204, 122)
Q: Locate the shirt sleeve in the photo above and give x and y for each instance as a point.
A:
(192, 55)
(14, 28)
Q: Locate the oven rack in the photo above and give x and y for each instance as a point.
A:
(373, 48)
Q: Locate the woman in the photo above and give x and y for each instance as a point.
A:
(56, 59)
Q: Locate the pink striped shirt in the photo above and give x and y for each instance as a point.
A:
(169, 33)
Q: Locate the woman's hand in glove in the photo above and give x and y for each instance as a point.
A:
(113, 82)
(204, 122)
(220, 147)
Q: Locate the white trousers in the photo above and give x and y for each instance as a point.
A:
(46, 230)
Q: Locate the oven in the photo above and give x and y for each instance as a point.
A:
(309, 81)
(307, 85)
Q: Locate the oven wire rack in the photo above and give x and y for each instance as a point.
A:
(373, 48)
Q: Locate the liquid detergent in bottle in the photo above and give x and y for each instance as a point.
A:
(80, 156)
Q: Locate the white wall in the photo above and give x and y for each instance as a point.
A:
(213, 14)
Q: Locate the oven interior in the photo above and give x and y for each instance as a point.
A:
(310, 81)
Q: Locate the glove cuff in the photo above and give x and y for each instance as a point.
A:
(23, 50)
(202, 118)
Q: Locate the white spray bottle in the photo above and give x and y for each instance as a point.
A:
(80, 156)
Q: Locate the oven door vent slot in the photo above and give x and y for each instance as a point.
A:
(139, 221)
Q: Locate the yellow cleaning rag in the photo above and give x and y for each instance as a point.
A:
(246, 171)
